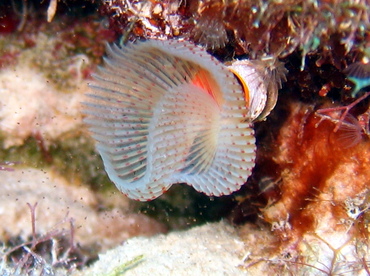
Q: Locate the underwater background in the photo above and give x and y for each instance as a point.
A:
(304, 210)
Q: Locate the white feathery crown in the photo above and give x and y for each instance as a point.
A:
(166, 112)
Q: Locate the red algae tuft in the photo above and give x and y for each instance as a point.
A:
(318, 174)
(317, 198)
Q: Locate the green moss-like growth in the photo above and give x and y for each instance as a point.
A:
(74, 158)
(26, 155)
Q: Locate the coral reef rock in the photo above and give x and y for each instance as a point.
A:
(30, 106)
(56, 201)
(211, 249)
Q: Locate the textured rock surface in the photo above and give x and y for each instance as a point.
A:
(211, 249)
(23, 114)
(56, 202)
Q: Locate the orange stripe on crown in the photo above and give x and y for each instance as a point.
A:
(204, 80)
(244, 85)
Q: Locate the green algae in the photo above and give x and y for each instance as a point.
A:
(120, 270)
(74, 158)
